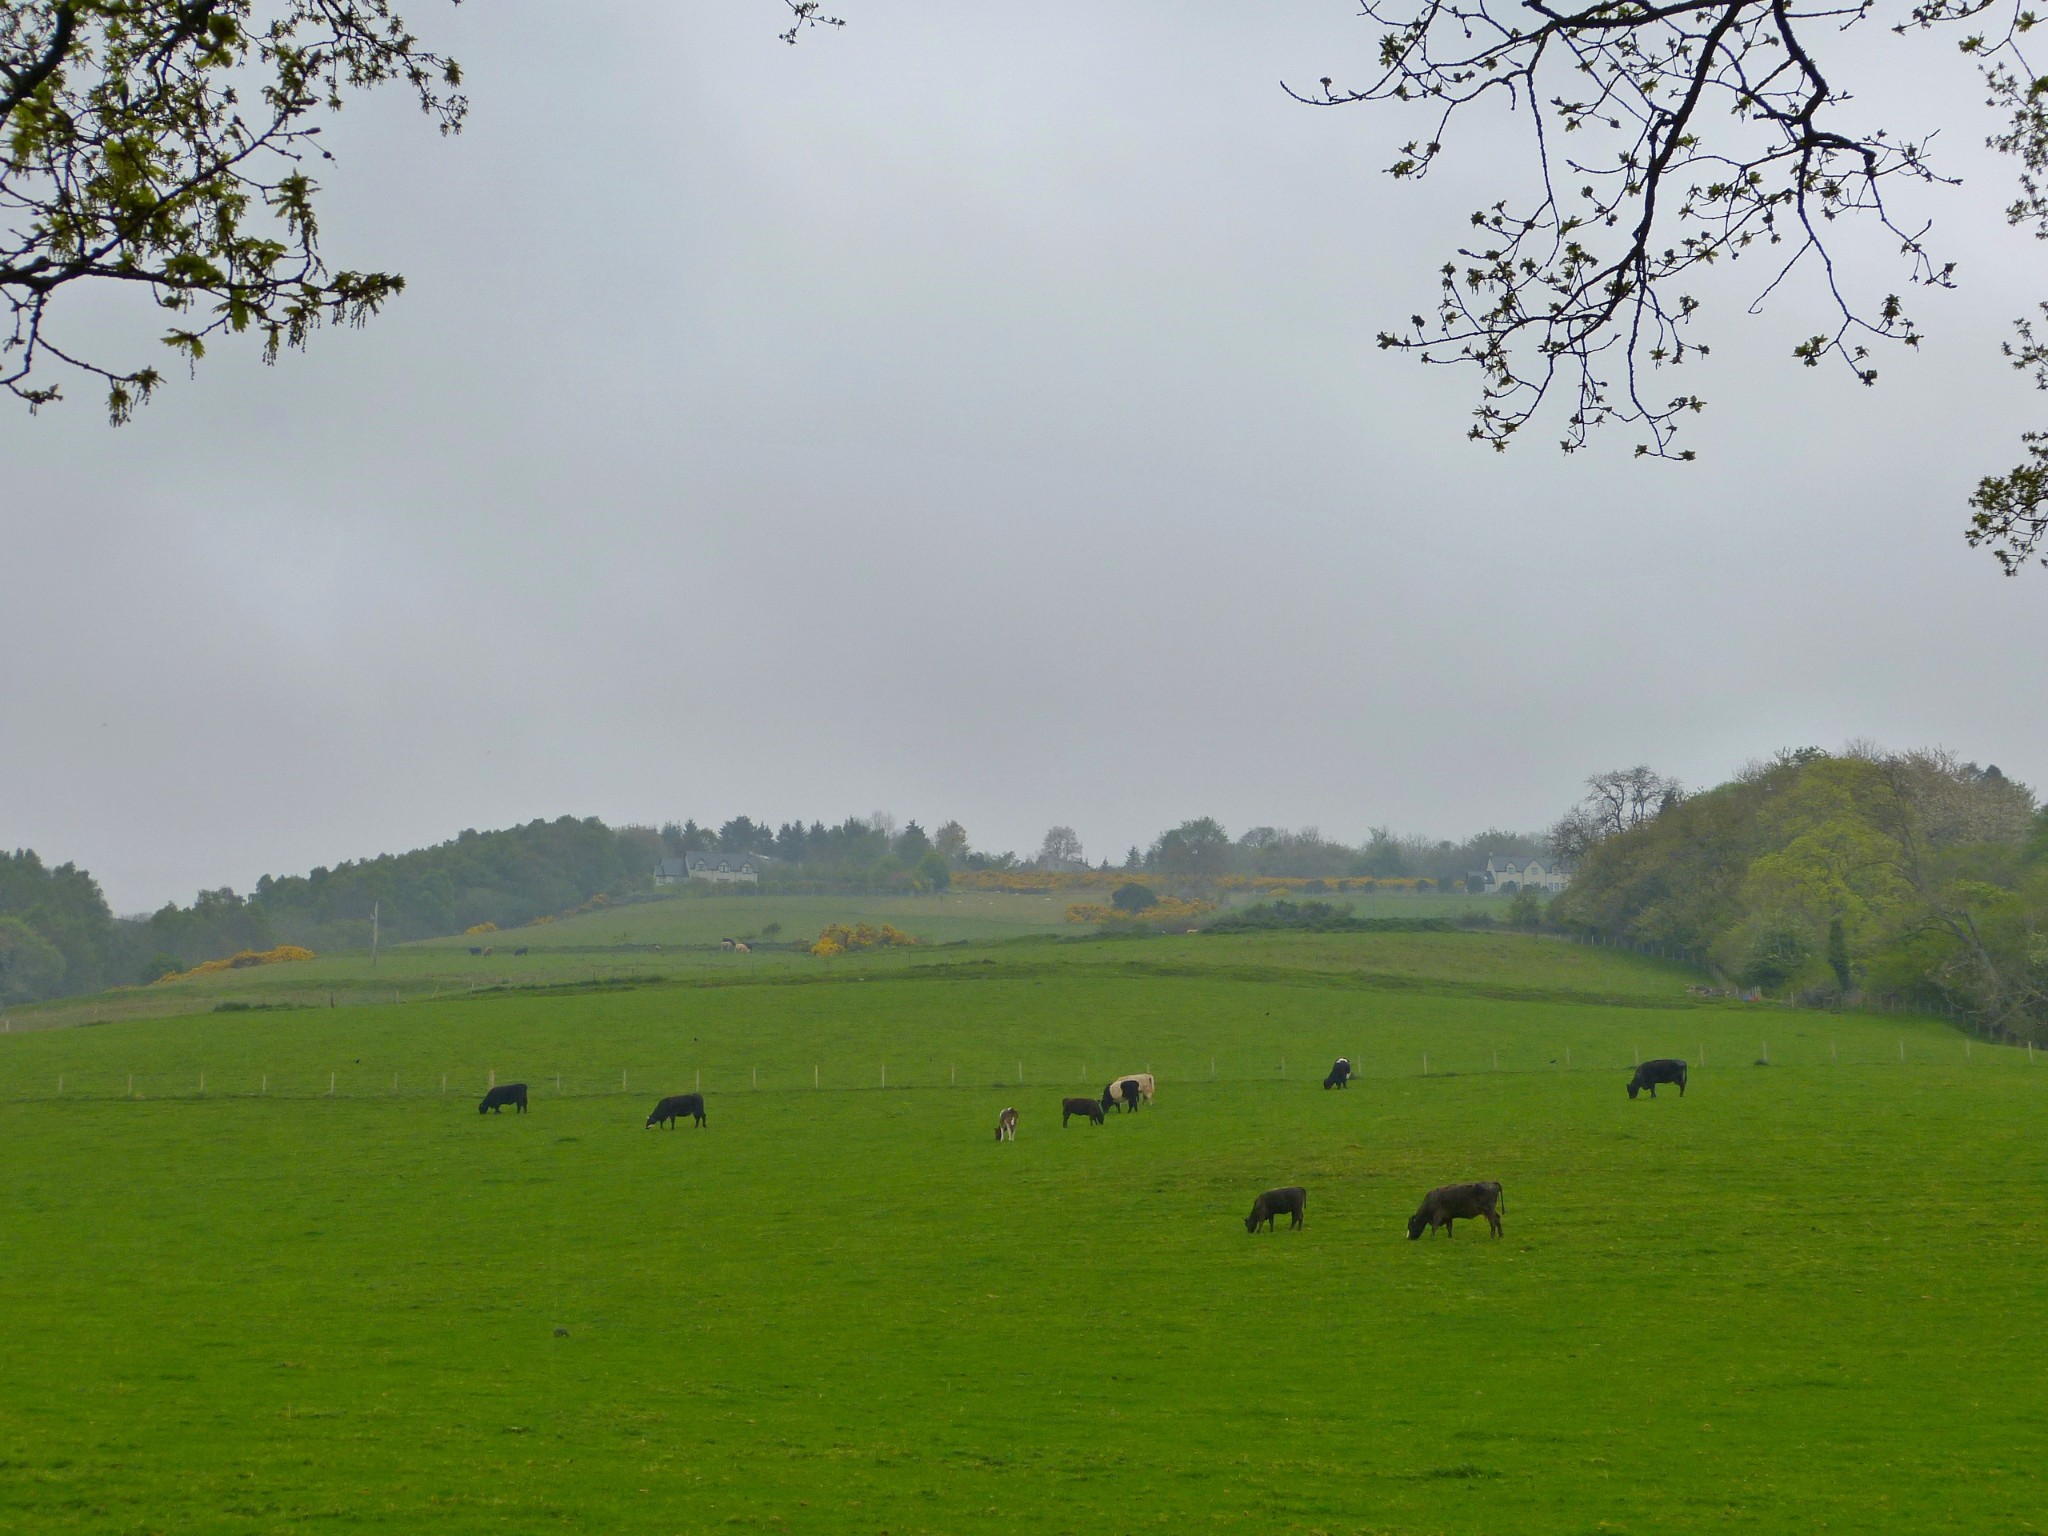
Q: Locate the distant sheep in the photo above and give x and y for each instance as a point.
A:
(505, 1093)
(1292, 1202)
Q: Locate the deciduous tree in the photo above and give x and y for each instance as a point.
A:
(169, 146)
(1668, 137)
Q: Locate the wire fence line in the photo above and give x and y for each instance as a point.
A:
(925, 1075)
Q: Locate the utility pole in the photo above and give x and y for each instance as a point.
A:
(374, 906)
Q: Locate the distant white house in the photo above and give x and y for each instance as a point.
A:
(718, 868)
(1504, 875)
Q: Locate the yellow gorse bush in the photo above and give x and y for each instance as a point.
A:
(242, 961)
(481, 928)
(838, 938)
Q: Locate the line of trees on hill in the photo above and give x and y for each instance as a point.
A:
(58, 936)
(878, 853)
(1829, 876)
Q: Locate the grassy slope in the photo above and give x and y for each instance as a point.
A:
(1775, 1304)
(699, 920)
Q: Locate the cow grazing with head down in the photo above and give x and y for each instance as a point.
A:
(1006, 1125)
(1122, 1093)
(1664, 1070)
(1458, 1202)
(677, 1106)
(1278, 1202)
(1340, 1074)
(1144, 1080)
(505, 1093)
(1087, 1108)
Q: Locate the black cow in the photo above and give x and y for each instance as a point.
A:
(677, 1106)
(505, 1093)
(1651, 1073)
(1278, 1202)
(1458, 1202)
(1340, 1075)
(522, 949)
(1086, 1107)
(1121, 1093)
(476, 949)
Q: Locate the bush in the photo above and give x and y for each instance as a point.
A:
(1320, 917)
(932, 872)
(158, 967)
(31, 967)
(838, 938)
(1133, 898)
(283, 954)
(1778, 950)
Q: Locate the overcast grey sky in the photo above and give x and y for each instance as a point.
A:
(972, 413)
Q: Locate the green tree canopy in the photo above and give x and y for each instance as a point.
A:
(167, 145)
(31, 967)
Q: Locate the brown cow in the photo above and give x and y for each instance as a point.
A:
(1292, 1201)
(1455, 1202)
(1087, 1107)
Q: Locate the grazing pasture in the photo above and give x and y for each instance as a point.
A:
(323, 1295)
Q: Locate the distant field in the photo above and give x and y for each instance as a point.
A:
(660, 939)
(1795, 1300)
(694, 919)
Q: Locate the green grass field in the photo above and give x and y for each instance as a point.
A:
(1801, 1298)
(674, 938)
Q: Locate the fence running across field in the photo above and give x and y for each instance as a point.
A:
(359, 1083)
